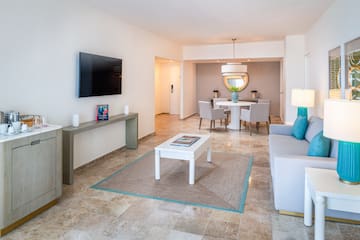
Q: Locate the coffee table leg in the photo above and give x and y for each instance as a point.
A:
(157, 165)
(191, 171)
(209, 154)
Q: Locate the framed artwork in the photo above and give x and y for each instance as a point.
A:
(352, 66)
(102, 112)
(335, 73)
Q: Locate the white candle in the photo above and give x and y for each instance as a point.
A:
(126, 109)
(75, 120)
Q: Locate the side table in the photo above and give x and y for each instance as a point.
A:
(322, 186)
(131, 122)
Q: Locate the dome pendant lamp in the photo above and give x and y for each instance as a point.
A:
(233, 68)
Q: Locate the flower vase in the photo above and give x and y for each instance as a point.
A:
(234, 97)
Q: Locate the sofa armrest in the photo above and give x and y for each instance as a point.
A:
(288, 179)
(280, 129)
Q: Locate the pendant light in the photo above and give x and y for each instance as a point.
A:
(230, 69)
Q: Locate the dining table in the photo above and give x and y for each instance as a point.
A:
(235, 111)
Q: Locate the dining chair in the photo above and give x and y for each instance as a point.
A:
(226, 109)
(264, 100)
(207, 112)
(258, 112)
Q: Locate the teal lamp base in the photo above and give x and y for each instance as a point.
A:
(302, 112)
(348, 165)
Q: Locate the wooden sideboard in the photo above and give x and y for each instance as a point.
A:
(131, 123)
(30, 175)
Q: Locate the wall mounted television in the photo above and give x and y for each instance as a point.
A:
(99, 75)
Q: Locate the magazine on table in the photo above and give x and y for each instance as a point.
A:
(185, 141)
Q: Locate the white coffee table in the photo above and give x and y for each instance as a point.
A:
(191, 153)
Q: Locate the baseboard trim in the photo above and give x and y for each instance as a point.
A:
(146, 136)
(27, 218)
(189, 116)
(331, 219)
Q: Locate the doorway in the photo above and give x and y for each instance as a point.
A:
(167, 86)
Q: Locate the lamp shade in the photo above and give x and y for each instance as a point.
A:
(233, 69)
(303, 97)
(342, 120)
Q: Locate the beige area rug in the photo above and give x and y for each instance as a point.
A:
(221, 184)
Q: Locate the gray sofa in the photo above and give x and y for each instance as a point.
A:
(288, 160)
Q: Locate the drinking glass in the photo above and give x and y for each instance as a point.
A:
(37, 121)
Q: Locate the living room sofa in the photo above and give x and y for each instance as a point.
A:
(288, 160)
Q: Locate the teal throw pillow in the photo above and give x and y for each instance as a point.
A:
(319, 146)
(299, 128)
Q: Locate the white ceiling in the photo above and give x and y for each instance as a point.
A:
(217, 21)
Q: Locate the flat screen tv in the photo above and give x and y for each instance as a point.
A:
(99, 75)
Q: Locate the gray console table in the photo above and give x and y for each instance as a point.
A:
(68, 139)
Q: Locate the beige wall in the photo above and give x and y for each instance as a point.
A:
(188, 89)
(263, 77)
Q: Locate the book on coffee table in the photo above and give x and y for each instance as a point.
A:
(185, 141)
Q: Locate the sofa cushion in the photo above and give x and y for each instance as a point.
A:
(299, 127)
(319, 146)
(315, 126)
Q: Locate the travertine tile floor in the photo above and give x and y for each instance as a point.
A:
(84, 213)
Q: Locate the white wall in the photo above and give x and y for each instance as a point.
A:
(338, 25)
(158, 95)
(162, 88)
(188, 90)
(294, 72)
(38, 60)
(272, 49)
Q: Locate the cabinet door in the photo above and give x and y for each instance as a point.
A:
(33, 172)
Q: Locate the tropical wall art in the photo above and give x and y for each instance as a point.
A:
(352, 65)
(335, 73)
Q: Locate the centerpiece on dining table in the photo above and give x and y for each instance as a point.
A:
(234, 94)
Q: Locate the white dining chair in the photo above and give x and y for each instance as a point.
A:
(207, 112)
(258, 112)
(264, 100)
(226, 109)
